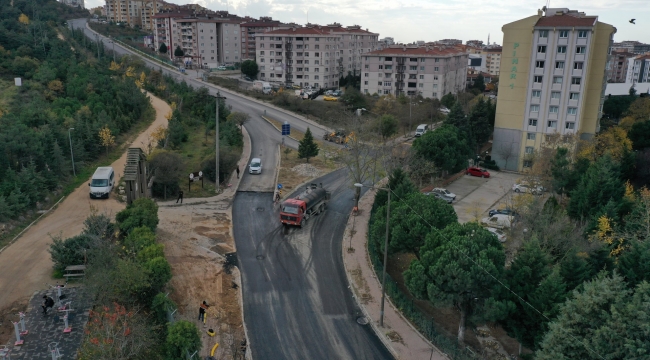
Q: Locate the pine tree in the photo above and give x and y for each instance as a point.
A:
(307, 148)
(163, 48)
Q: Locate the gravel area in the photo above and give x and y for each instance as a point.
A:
(306, 170)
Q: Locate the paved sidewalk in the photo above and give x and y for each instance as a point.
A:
(366, 288)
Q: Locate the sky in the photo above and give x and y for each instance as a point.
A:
(429, 20)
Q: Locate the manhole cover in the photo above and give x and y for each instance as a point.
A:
(260, 209)
(362, 320)
(260, 257)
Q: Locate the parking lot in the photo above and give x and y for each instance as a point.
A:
(475, 196)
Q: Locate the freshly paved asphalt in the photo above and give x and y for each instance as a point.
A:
(297, 304)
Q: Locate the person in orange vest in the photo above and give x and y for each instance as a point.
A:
(202, 309)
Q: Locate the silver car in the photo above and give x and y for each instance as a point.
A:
(255, 166)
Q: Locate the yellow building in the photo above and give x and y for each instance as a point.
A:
(552, 81)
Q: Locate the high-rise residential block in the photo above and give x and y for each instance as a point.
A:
(638, 69)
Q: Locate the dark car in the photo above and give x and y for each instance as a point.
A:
(475, 171)
(509, 212)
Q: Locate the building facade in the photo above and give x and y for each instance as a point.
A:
(429, 71)
(617, 66)
(139, 13)
(493, 60)
(553, 82)
(634, 47)
(251, 29)
(638, 69)
(313, 55)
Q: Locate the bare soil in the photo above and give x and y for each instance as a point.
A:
(295, 171)
(7, 316)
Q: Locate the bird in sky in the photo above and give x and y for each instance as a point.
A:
(632, 21)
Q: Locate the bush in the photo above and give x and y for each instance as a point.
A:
(128, 282)
(182, 336)
(159, 273)
(228, 158)
(160, 305)
(142, 212)
(70, 251)
(139, 239)
(151, 252)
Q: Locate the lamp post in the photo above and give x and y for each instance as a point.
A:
(383, 276)
(216, 141)
(71, 153)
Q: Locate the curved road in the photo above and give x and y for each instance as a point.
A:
(297, 304)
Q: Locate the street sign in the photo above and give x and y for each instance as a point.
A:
(279, 186)
(286, 128)
(195, 176)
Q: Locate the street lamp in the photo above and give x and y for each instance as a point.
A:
(216, 141)
(383, 276)
(71, 153)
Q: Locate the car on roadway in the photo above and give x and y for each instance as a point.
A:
(524, 187)
(442, 197)
(476, 171)
(255, 166)
(247, 78)
(502, 212)
(330, 98)
(500, 234)
(444, 192)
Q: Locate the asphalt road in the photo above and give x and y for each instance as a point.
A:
(297, 304)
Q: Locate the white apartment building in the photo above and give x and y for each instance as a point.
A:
(493, 59)
(430, 71)
(638, 69)
(313, 55)
(210, 42)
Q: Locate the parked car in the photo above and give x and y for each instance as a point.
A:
(502, 212)
(330, 98)
(247, 78)
(329, 92)
(442, 197)
(498, 221)
(337, 93)
(221, 68)
(499, 234)
(444, 192)
(297, 87)
(255, 166)
(524, 187)
(476, 171)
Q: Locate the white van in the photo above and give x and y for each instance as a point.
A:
(102, 182)
(421, 130)
(255, 166)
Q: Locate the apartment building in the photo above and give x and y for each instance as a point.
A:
(617, 66)
(253, 28)
(634, 47)
(553, 83)
(139, 13)
(208, 40)
(74, 3)
(638, 69)
(493, 59)
(430, 71)
(313, 55)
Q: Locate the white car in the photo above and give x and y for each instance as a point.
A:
(255, 166)
(498, 232)
(527, 188)
(444, 192)
(497, 221)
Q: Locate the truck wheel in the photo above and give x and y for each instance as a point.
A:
(302, 223)
(322, 208)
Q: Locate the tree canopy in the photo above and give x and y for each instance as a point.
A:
(445, 146)
(307, 148)
(249, 68)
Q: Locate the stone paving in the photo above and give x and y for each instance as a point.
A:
(45, 329)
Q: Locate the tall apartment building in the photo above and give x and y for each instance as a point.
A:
(313, 55)
(493, 59)
(430, 71)
(139, 13)
(553, 82)
(209, 40)
(638, 69)
(617, 66)
(251, 29)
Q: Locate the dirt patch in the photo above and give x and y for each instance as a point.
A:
(295, 171)
(7, 316)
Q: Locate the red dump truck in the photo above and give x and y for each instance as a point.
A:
(298, 210)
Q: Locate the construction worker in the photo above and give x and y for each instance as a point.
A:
(202, 309)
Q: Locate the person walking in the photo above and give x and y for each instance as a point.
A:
(237, 169)
(202, 309)
(180, 197)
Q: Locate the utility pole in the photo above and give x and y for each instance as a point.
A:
(71, 153)
(97, 37)
(216, 142)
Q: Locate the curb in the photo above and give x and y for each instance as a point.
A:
(275, 127)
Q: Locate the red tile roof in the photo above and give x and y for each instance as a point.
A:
(408, 51)
(319, 30)
(566, 20)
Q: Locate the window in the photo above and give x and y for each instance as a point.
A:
(553, 109)
(365, 83)
(538, 79)
(381, 67)
(541, 49)
(413, 59)
(532, 122)
(552, 124)
(543, 33)
(575, 81)
(365, 75)
(534, 108)
(557, 80)
(261, 60)
(436, 60)
(572, 111)
(388, 67)
(539, 64)
(530, 136)
(421, 77)
(564, 33)
(422, 59)
(529, 149)
(578, 65)
(435, 77)
(581, 49)
(420, 85)
(421, 68)
(387, 83)
(574, 96)
(413, 67)
(569, 125)
(436, 68)
(367, 66)
(387, 75)
(582, 34)
(528, 163)
(561, 49)
(435, 94)
(435, 86)
(379, 83)
(412, 76)
(555, 95)
(559, 64)
(262, 52)
(537, 93)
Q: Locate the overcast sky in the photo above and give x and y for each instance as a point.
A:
(429, 20)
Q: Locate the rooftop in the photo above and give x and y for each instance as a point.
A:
(422, 50)
(566, 17)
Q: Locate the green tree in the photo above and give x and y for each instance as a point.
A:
(178, 52)
(142, 212)
(353, 98)
(401, 187)
(160, 305)
(159, 273)
(176, 132)
(640, 135)
(479, 123)
(457, 118)
(492, 113)
(634, 264)
(409, 227)
(387, 126)
(445, 146)
(182, 337)
(163, 48)
(600, 185)
(575, 269)
(457, 266)
(448, 100)
(249, 68)
(167, 167)
(139, 238)
(307, 148)
(479, 83)
(615, 106)
(560, 169)
(604, 320)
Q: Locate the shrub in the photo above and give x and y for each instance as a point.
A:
(142, 212)
(70, 251)
(160, 305)
(182, 336)
(159, 272)
(150, 252)
(139, 239)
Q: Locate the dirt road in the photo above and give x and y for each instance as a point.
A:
(26, 266)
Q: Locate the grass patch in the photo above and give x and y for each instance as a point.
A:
(290, 179)
(194, 151)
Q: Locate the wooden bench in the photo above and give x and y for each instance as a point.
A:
(74, 271)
